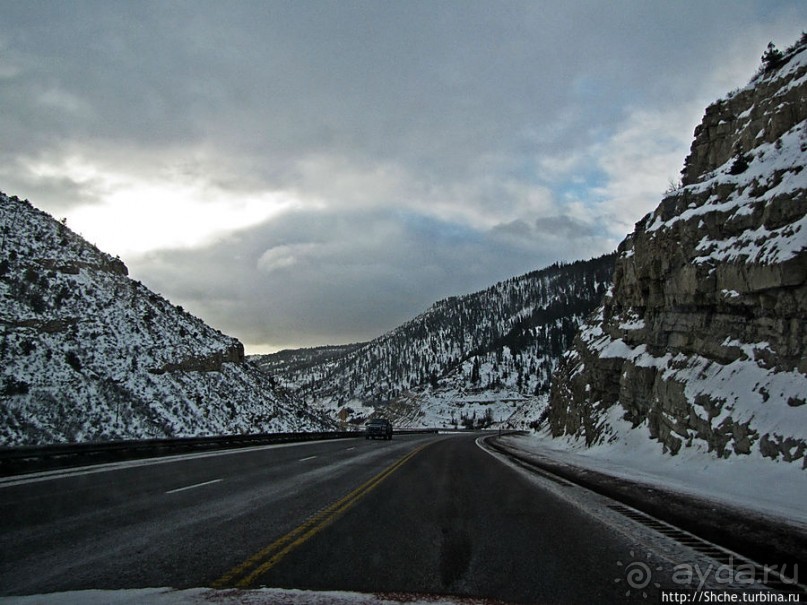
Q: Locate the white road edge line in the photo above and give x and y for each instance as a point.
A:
(182, 489)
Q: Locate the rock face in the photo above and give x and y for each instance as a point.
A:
(701, 341)
(88, 354)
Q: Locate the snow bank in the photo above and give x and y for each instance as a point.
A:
(768, 487)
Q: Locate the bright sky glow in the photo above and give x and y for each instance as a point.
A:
(143, 217)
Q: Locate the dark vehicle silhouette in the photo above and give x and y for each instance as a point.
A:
(378, 427)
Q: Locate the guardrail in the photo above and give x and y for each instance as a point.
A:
(26, 459)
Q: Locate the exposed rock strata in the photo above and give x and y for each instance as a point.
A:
(209, 363)
(702, 339)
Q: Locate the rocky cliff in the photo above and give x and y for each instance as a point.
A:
(88, 354)
(701, 341)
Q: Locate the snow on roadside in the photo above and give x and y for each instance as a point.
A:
(773, 488)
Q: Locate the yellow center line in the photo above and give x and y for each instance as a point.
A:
(266, 558)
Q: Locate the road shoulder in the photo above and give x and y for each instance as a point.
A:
(760, 537)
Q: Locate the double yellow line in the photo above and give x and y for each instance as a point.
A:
(243, 575)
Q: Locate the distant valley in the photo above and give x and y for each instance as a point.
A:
(474, 361)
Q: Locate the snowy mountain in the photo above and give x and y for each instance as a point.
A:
(89, 354)
(473, 360)
(700, 346)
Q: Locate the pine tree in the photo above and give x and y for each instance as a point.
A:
(772, 57)
(475, 371)
(741, 161)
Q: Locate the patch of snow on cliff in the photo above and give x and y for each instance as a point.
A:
(777, 168)
(759, 246)
(749, 393)
(742, 392)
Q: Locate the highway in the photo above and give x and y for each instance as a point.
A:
(424, 514)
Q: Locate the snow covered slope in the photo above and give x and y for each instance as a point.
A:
(701, 343)
(89, 354)
(476, 360)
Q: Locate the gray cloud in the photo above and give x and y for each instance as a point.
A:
(435, 87)
(310, 278)
(430, 148)
(564, 227)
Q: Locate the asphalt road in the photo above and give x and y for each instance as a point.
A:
(432, 514)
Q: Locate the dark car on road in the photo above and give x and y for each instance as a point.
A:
(378, 427)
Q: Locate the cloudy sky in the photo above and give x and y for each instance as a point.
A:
(317, 172)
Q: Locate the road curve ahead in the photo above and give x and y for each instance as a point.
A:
(435, 514)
